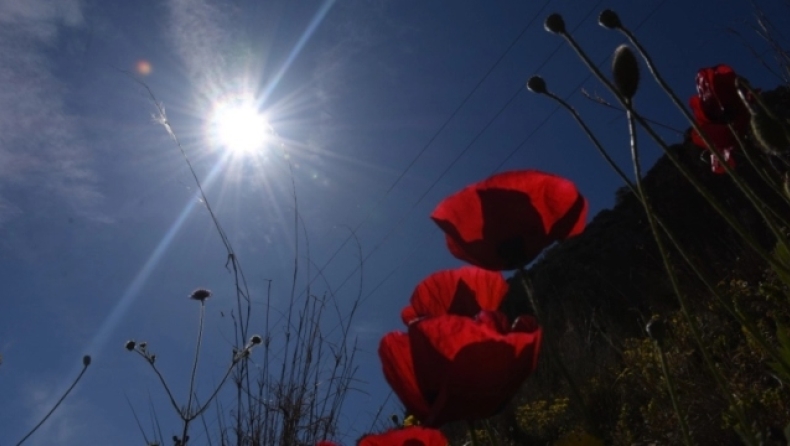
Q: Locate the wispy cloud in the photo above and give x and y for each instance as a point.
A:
(200, 37)
(41, 150)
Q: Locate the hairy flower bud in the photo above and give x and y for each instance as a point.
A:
(86, 360)
(536, 84)
(625, 70)
(130, 345)
(609, 19)
(255, 340)
(555, 24)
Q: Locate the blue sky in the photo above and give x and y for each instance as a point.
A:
(103, 236)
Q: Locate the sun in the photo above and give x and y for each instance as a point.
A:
(239, 127)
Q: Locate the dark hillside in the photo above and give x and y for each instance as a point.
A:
(599, 289)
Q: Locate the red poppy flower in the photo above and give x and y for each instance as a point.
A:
(326, 443)
(450, 368)
(716, 105)
(505, 221)
(463, 291)
(718, 95)
(410, 436)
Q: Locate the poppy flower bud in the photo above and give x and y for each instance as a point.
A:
(130, 345)
(143, 345)
(657, 330)
(395, 420)
(255, 340)
(609, 19)
(536, 84)
(152, 359)
(86, 360)
(555, 24)
(200, 294)
(625, 71)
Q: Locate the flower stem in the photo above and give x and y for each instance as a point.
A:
(51, 411)
(187, 415)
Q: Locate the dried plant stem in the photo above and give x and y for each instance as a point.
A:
(57, 404)
(187, 415)
(554, 355)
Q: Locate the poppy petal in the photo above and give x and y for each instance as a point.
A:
(411, 436)
(398, 366)
(448, 351)
(505, 221)
(464, 291)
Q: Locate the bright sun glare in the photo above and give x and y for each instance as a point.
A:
(240, 128)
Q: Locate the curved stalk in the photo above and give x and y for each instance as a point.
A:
(57, 404)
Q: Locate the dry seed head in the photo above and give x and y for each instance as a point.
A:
(609, 19)
(555, 24)
(200, 294)
(536, 84)
(625, 70)
(86, 360)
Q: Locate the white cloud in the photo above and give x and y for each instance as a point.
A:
(40, 145)
(200, 36)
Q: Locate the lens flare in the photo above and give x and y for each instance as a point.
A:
(143, 67)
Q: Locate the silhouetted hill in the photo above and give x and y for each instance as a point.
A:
(597, 291)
